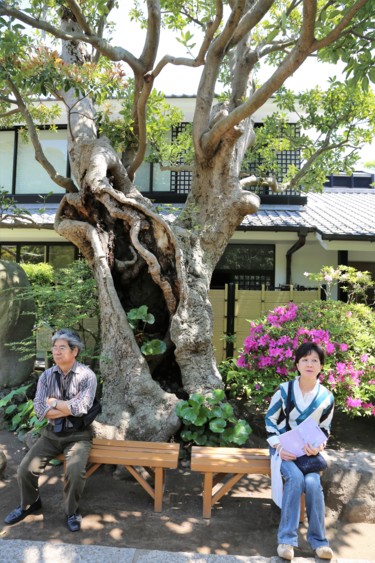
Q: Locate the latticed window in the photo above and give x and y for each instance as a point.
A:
(254, 281)
(180, 181)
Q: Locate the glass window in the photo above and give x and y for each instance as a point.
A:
(61, 256)
(6, 159)
(8, 252)
(248, 265)
(31, 176)
(247, 257)
(32, 254)
(162, 180)
(142, 177)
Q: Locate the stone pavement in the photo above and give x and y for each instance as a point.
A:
(22, 551)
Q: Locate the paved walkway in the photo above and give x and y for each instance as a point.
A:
(22, 551)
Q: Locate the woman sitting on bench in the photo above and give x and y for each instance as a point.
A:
(307, 397)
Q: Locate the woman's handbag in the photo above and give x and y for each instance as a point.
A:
(311, 463)
(305, 463)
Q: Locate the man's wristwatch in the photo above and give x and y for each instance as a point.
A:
(54, 403)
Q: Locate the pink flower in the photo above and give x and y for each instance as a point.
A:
(349, 314)
(263, 340)
(353, 403)
(282, 370)
(241, 362)
(257, 386)
(341, 368)
(250, 344)
(364, 358)
(343, 347)
(330, 348)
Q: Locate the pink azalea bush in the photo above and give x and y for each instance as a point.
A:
(345, 331)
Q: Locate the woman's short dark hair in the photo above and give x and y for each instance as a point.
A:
(306, 348)
(70, 336)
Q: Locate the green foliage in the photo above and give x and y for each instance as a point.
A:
(153, 347)
(160, 119)
(138, 319)
(209, 421)
(19, 411)
(39, 274)
(345, 331)
(335, 124)
(30, 60)
(65, 298)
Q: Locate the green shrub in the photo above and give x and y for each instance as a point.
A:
(19, 411)
(209, 421)
(345, 331)
(64, 298)
(138, 319)
(41, 274)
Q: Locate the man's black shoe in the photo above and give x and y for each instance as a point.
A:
(20, 513)
(74, 522)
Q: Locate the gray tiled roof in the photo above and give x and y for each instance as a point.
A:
(334, 215)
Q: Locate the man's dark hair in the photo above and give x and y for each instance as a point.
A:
(305, 350)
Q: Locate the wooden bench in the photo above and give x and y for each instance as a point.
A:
(154, 457)
(222, 468)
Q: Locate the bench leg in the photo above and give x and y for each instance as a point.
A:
(207, 494)
(158, 500)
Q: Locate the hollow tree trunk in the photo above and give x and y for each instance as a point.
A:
(128, 245)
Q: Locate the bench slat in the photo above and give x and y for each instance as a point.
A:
(130, 458)
(135, 445)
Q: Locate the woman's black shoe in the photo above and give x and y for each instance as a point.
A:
(20, 513)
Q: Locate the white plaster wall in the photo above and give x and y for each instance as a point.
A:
(311, 258)
(356, 256)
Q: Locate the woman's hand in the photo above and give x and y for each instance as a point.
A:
(310, 450)
(284, 454)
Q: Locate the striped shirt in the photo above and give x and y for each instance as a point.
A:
(319, 406)
(79, 385)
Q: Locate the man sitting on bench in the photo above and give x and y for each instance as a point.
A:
(66, 389)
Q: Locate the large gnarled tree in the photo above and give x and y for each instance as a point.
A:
(136, 256)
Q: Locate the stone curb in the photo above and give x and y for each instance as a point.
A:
(21, 551)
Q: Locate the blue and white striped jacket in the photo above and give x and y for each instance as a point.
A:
(321, 409)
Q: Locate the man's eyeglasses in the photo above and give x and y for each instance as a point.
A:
(59, 348)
